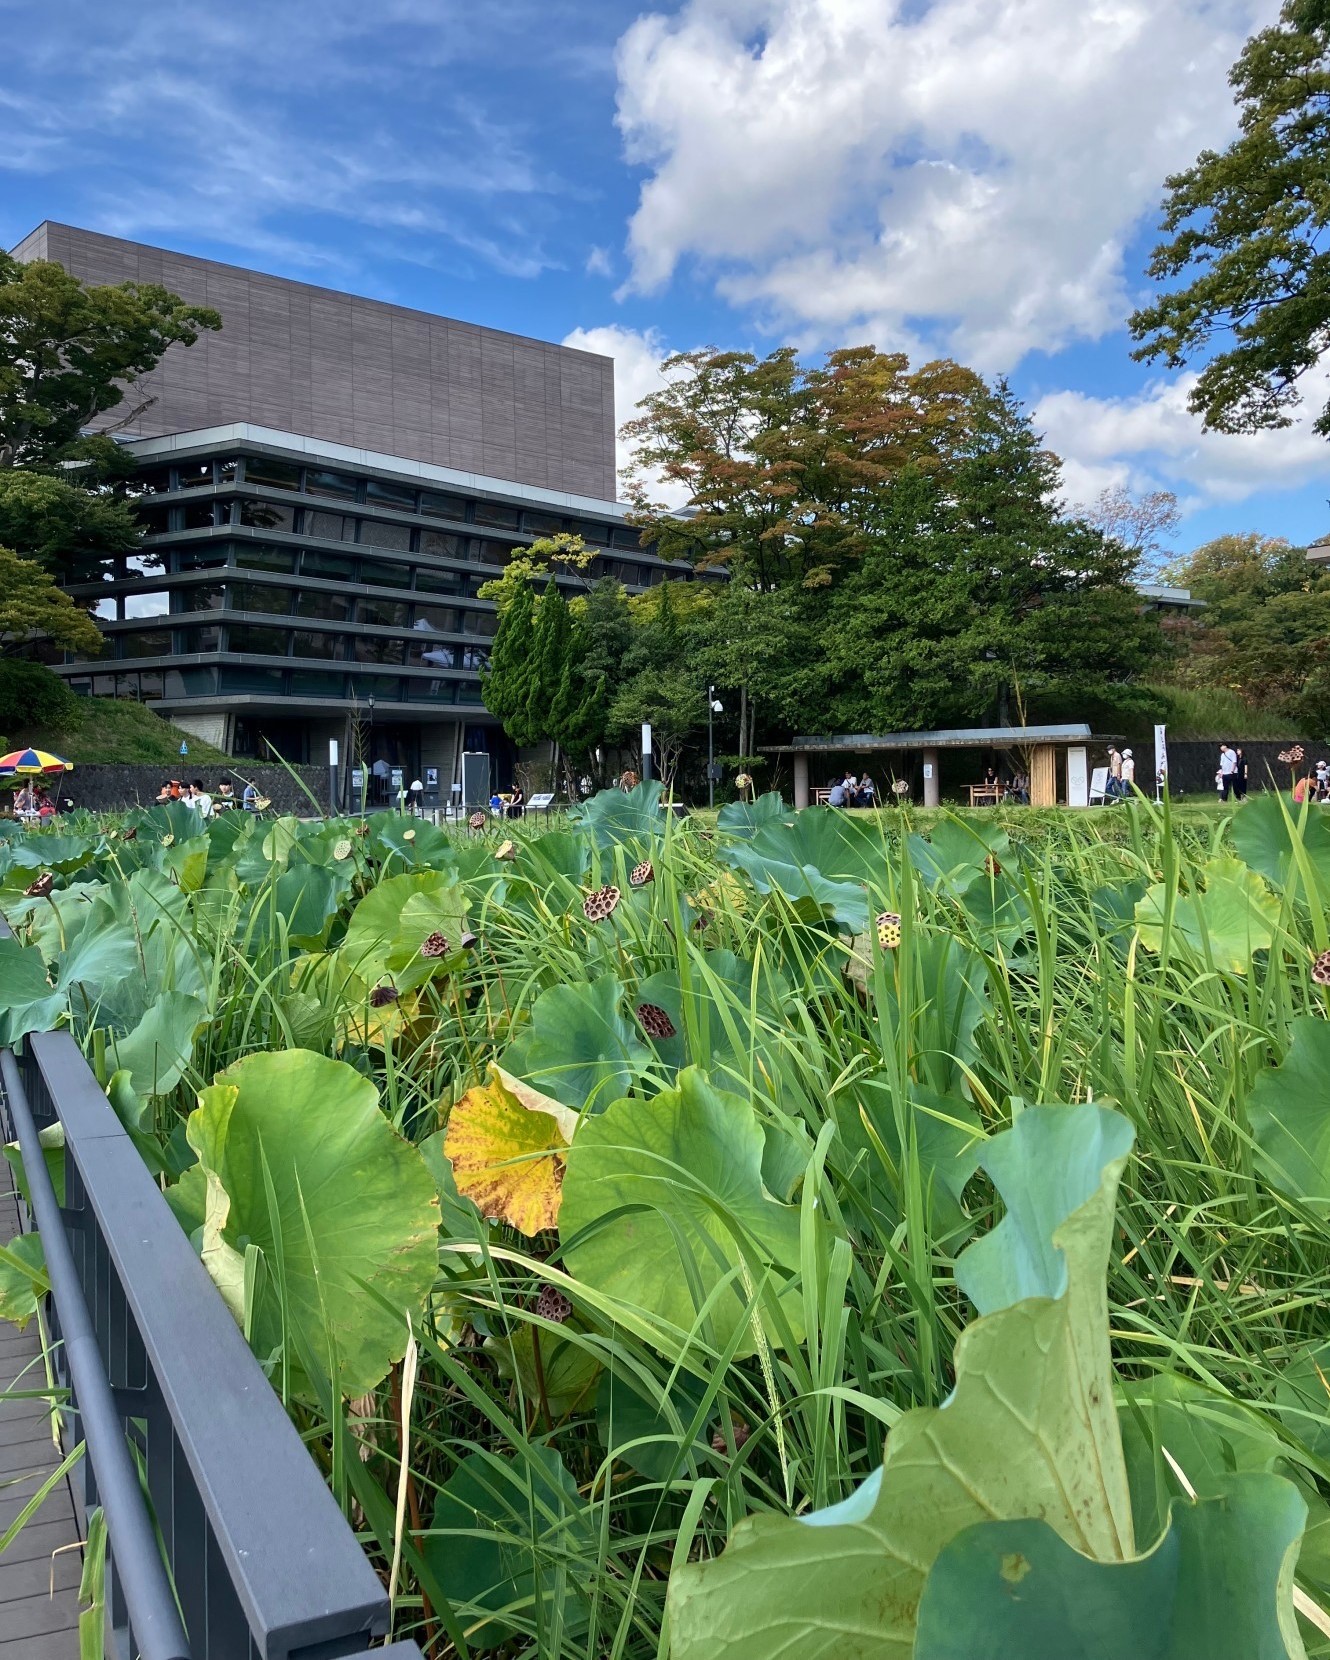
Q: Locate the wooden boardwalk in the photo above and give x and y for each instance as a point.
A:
(38, 1587)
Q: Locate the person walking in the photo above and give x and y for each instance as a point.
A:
(1228, 766)
(1115, 788)
(1240, 775)
(1128, 772)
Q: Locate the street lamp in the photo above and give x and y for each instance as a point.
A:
(369, 762)
(714, 707)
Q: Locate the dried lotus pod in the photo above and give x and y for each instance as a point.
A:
(168, 841)
(506, 850)
(640, 875)
(477, 821)
(655, 1021)
(468, 940)
(992, 866)
(738, 1429)
(435, 945)
(131, 835)
(597, 906)
(1321, 969)
(408, 835)
(551, 1304)
(381, 996)
(888, 926)
(342, 849)
(42, 886)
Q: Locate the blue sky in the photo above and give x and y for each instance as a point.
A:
(971, 177)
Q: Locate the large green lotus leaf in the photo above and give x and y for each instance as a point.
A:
(745, 818)
(1029, 1430)
(579, 1048)
(717, 1009)
(955, 855)
(161, 1046)
(651, 1435)
(508, 1541)
(815, 856)
(685, 1168)
(187, 862)
(53, 923)
(1274, 840)
(1302, 1399)
(1287, 1111)
(1231, 920)
(357, 1213)
(28, 1002)
(940, 1134)
(308, 897)
(1215, 1587)
(384, 936)
(614, 816)
(404, 843)
(938, 995)
(19, 861)
(23, 1279)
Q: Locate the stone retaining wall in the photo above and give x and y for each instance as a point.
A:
(107, 786)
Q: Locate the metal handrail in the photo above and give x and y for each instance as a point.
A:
(150, 1601)
(262, 1563)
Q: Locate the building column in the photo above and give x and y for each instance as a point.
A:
(932, 779)
(801, 796)
(1044, 776)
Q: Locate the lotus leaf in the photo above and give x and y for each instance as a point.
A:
(664, 1197)
(579, 1047)
(354, 1215)
(941, 1134)
(933, 1005)
(816, 856)
(744, 818)
(1275, 840)
(1287, 1112)
(1303, 1399)
(413, 844)
(506, 1142)
(392, 922)
(713, 1021)
(506, 1541)
(651, 1436)
(956, 855)
(565, 1379)
(23, 1281)
(1232, 919)
(1029, 1429)
(614, 816)
(28, 1002)
(308, 897)
(1215, 1587)
(187, 862)
(158, 1050)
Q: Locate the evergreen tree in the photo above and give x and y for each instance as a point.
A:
(506, 684)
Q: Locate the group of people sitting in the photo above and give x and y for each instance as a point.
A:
(1314, 785)
(205, 805)
(853, 792)
(33, 804)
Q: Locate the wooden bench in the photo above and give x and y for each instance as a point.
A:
(986, 795)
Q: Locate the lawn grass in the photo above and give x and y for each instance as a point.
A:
(125, 732)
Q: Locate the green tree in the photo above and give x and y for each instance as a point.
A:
(1246, 228)
(34, 703)
(70, 529)
(506, 683)
(70, 351)
(33, 607)
(674, 704)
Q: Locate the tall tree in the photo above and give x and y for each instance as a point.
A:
(70, 528)
(1247, 229)
(506, 683)
(32, 607)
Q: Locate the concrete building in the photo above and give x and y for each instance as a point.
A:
(325, 484)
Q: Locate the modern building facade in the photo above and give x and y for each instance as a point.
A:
(300, 578)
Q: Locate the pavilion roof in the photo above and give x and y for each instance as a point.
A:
(954, 737)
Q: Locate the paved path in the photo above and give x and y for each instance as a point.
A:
(34, 1623)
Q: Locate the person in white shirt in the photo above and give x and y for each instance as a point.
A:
(200, 800)
(1228, 766)
(1128, 772)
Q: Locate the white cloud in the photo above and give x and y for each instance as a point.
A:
(967, 172)
(637, 360)
(598, 263)
(1150, 440)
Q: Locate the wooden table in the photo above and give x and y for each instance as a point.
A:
(986, 795)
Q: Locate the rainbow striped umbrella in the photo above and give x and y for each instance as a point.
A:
(32, 761)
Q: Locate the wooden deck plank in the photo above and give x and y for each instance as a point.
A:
(34, 1623)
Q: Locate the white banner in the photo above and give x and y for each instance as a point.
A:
(1161, 756)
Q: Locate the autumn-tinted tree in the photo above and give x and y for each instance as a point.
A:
(1247, 236)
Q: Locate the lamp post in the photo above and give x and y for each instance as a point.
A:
(714, 707)
(369, 763)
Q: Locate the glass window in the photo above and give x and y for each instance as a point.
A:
(317, 683)
(278, 475)
(316, 563)
(203, 558)
(474, 657)
(190, 682)
(440, 582)
(155, 520)
(107, 609)
(329, 527)
(198, 515)
(268, 515)
(191, 474)
(195, 640)
(316, 645)
(152, 481)
(150, 685)
(391, 495)
(442, 506)
(146, 645)
(479, 622)
(154, 604)
(331, 606)
(371, 649)
(103, 685)
(385, 689)
(228, 470)
(199, 596)
(127, 685)
(431, 691)
(443, 544)
(144, 564)
(493, 553)
(260, 642)
(593, 533)
(431, 654)
(496, 513)
(258, 596)
(469, 692)
(385, 573)
(81, 687)
(436, 619)
(330, 484)
(627, 536)
(386, 613)
(376, 534)
(261, 556)
(541, 524)
(244, 678)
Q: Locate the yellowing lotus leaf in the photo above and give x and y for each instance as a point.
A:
(506, 1142)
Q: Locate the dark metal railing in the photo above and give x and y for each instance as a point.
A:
(255, 1561)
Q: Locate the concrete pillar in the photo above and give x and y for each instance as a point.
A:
(801, 796)
(932, 779)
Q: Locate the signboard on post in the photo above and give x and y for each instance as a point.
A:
(1161, 759)
(646, 749)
